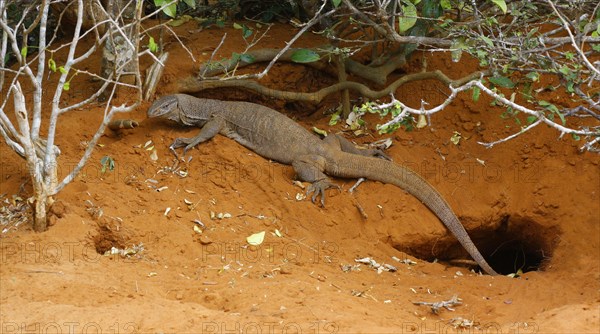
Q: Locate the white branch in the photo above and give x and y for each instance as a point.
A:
(587, 62)
(529, 127)
(55, 111)
(91, 145)
(541, 118)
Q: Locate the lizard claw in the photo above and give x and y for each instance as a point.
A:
(187, 148)
(180, 142)
(318, 188)
(379, 154)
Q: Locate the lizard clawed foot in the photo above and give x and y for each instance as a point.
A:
(186, 143)
(180, 142)
(318, 188)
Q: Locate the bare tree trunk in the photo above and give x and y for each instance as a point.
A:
(40, 209)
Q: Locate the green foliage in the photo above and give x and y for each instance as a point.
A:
(553, 111)
(409, 16)
(502, 81)
(246, 32)
(305, 56)
(392, 111)
(476, 93)
(107, 163)
(501, 4)
(52, 65)
(237, 57)
(171, 10)
(152, 46)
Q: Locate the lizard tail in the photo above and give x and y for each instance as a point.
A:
(353, 166)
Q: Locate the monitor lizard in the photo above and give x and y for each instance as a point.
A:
(275, 136)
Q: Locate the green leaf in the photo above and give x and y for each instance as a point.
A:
(247, 58)
(62, 70)
(457, 49)
(501, 4)
(446, 4)
(533, 76)
(67, 86)
(575, 136)
(409, 16)
(569, 55)
(152, 45)
(24, 52)
(305, 56)
(235, 57)
(170, 10)
(502, 81)
(487, 41)
(247, 32)
(431, 8)
(335, 118)
(476, 93)
(548, 105)
(181, 20)
(190, 3)
(531, 119)
(336, 3)
(52, 64)
(107, 163)
(319, 131)
(562, 117)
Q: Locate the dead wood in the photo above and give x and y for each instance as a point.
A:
(194, 85)
(377, 75)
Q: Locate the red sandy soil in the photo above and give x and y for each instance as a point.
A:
(535, 197)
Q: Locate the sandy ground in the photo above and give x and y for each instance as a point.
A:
(531, 204)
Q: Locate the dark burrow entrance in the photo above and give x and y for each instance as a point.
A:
(107, 238)
(517, 244)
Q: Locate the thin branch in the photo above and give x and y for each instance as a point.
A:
(212, 55)
(307, 25)
(587, 62)
(514, 135)
(91, 145)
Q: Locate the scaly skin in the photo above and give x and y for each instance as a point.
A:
(276, 137)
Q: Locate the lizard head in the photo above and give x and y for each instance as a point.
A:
(166, 107)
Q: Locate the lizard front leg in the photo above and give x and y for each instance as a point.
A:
(209, 130)
(310, 169)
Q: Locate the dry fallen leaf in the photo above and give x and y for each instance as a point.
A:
(256, 239)
(422, 122)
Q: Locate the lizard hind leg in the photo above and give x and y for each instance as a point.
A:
(339, 142)
(310, 168)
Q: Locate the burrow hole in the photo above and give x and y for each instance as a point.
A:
(518, 243)
(107, 238)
